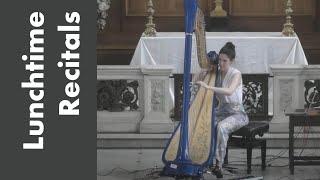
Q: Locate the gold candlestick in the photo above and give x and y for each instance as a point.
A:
(150, 26)
(218, 11)
(288, 26)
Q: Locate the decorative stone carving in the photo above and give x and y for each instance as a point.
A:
(156, 100)
(286, 87)
(119, 99)
(102, 13)
(117, 95)
(157, 95)
(252, 97)
(133, 99)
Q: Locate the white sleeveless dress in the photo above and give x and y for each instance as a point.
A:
(230, 113)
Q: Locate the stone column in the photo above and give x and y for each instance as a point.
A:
(156, 100)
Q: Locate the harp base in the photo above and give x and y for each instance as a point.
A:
(180, 169)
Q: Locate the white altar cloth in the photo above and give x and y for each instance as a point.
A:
(255, 51)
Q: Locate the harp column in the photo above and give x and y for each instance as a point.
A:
(156, 100)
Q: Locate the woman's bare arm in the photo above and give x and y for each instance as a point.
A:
(225, 91)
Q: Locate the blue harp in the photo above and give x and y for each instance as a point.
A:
(191, 148)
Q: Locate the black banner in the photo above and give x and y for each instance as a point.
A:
(48, 92)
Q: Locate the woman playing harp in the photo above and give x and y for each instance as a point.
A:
(230, 112)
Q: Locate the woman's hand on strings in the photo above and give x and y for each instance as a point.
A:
(203, 84)
(226, 90)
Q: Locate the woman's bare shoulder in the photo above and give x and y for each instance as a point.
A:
(236, 71)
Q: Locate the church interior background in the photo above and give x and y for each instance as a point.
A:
(126, 21)
(137, 86)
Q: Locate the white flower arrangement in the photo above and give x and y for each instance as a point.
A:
(103, 7)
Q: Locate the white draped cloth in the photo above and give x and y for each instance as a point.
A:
(255, 51)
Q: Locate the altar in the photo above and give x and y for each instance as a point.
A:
(255, 52)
